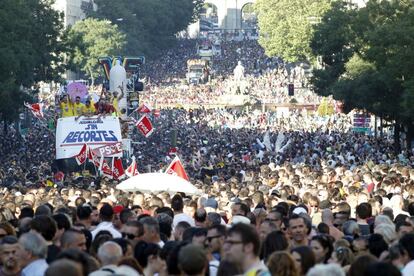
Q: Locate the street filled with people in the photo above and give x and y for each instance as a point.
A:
(280, 193)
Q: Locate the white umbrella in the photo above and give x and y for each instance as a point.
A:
(157, 182)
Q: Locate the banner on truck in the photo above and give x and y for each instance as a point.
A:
(102, 135)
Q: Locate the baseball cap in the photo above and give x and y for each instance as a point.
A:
(118, 209)
(212, 203)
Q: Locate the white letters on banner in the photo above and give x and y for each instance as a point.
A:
(102, 133)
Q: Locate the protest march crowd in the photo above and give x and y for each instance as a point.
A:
(292, 195)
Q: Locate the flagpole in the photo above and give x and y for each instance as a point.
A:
(87, 153)
(112, 168)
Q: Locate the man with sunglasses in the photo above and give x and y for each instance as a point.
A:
(216, 235)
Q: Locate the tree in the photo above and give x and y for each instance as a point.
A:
(368, 56)
(93, 39)
(150, 25)
(286, 26)
(32, 48)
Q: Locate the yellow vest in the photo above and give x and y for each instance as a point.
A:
(115, 105)
(77, 109)
(90, 109)
(66, 109)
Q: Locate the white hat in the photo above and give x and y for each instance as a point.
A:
(299, 210)
(240, 219)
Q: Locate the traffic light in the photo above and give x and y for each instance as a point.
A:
(291, 89)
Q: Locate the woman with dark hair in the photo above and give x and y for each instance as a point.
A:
(148, 256)
(304, 258)
(275, 241)
(322, 247)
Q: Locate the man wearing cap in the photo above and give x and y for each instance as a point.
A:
(210, 205)
(106, 215)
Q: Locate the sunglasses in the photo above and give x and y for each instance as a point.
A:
(129, 236)
(209, 239)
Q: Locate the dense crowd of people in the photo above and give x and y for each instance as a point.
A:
(280, 194)
(266, 79)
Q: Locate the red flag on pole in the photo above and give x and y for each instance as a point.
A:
(144, 125)
(93, 158)
(82, 155)
(132, 170)
(36, 109)
(177, 168)
(144, 108)
(117, 169)
(106, 169)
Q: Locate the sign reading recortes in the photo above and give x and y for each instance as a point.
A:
(102, 133)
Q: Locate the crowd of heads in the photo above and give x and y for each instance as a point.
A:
(280, 194)
(266, 79)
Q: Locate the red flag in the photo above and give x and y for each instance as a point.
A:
(117, 169)
(106, 169)
(144, 109)
(93, 158)
(132, 170)
(172, 151)
(177, 168)
(82, 155)
(36, 109)
(145, 126)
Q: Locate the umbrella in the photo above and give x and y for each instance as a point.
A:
(77, 89)
(157, 182)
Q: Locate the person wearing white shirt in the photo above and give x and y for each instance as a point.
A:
(177, 204)
(406, 245)
(32, 254)
(109, 254)
(106, 214)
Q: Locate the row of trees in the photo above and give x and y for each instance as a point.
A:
(366, 54)
(35, 46)
(31, 50)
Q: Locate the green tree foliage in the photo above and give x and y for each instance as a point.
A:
(150, 25)
(368, 58)
(93, 39)
(286, 26)
(31, 50)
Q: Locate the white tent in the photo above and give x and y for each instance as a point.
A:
(157, 182)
